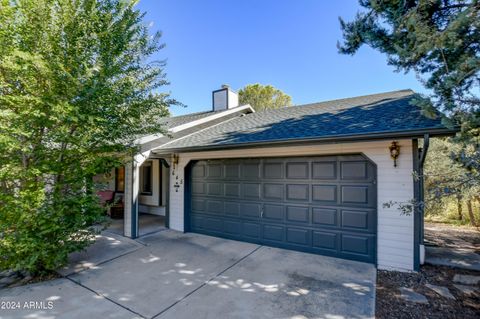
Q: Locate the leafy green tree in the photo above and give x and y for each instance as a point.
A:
(262, 97)
(75, 91)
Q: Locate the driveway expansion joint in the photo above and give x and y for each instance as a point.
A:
(206, 282)
(105, 297)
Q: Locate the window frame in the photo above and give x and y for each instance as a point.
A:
(146, 165)
(117, 181)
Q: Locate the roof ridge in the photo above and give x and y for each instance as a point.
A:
(358, 97)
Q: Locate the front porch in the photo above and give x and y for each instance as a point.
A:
(141, 190)
(147, 224)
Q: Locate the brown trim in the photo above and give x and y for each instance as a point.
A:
(117, 190)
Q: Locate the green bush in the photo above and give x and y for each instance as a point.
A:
(77, 87)
(39, 229)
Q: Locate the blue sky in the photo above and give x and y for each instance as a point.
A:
(286, 43)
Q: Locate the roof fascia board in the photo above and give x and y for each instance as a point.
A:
(326, 140)
(210, 118)
(149, 138)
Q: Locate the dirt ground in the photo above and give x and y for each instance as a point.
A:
(445, 235)
(389, 304)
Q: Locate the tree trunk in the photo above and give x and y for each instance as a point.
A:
(470, 213)
(459, 208)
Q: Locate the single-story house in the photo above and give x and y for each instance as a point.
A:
(312, 178)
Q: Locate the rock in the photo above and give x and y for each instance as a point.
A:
(409, 295)
(6, 273)
(8, 280)
(467, 290)
(442, 291)
(20, 282)
(466, 279)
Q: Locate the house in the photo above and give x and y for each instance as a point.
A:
(311, 178)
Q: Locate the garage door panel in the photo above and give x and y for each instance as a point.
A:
(298, 214)
(358, 219)
(233, 227)
(215, 206)
(251, 191)
(198, 171)
(274, 232)
(251, 229)
(324, 217)
(354, 170)
(324, 193)
(273, 171)
(232, 208)
(355, 244)
(215, 189)
(232, 190)
(198, 188)
(357, 194)
(298, 236)
(196, 221)
(324, 205)
(273, 191)
(298, 170)
(251, 171)
(324, 170)
(232, 171)
(212, 224)
(198, 204)
(214, 171)
(297, 192)
(273, 212)
(250, 210)
(325, 240)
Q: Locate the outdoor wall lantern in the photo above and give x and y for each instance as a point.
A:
(174, 162)
(394, 152)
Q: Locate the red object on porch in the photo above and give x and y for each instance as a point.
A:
(106, 197)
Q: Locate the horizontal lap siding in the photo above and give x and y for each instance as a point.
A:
(395, 231)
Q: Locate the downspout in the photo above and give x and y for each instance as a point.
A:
(421, 210)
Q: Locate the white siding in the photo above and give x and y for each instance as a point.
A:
(395, 231)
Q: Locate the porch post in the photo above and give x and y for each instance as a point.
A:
(132, 173)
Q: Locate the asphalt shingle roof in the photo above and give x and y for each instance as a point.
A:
(377, 113)
(170, 122)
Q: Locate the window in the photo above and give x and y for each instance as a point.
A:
(120, 179)
(146, 173)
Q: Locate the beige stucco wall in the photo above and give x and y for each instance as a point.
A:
(395, 238)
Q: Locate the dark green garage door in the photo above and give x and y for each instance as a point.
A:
(324, 205)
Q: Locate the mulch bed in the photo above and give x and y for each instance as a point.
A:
(389, 304)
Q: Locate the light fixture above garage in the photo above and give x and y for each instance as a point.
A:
(394, 152)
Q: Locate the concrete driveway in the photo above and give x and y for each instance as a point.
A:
(175, 275)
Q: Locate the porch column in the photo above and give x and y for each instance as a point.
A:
(130, 226)
(132, 189)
